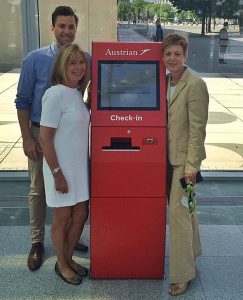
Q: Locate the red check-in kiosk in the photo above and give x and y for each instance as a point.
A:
(128, 161)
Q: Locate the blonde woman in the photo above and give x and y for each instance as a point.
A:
(64, 141)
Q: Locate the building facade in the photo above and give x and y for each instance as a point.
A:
(26, 25)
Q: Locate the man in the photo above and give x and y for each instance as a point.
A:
(223, 42)
(157, 35)
(33, 82)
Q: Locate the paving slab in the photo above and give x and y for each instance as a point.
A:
(219, 271)
(221, 240)
(221, 277)
(238, 112)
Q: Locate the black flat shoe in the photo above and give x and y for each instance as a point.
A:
(81, 271)
(81, 247)
(75, 280)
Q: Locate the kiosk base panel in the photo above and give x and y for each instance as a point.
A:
(128, 237)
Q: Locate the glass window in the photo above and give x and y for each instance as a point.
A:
(11, 46)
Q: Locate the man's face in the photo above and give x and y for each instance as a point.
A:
(64, 30)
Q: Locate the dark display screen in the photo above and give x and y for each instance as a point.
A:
(128, 85)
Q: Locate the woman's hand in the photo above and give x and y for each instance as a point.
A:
(190, 177)
(60, 183)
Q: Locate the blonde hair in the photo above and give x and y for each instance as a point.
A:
(175, 39)
(59, 71)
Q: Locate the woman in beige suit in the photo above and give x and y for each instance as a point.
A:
(187, 99)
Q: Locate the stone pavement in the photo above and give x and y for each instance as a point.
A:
(11, 153)
(224, 141)
(219, 269)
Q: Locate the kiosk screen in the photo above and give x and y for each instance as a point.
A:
(128, 85)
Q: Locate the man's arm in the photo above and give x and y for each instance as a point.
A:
(30, 146)
(25, 90)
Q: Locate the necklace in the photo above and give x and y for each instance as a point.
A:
(175, 79)
(173, 83)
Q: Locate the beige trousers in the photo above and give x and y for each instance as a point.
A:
(185, 243)
(37, 201)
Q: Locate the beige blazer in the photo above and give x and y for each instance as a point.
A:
(187, 119)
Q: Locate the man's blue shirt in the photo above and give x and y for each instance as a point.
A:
(35, 80)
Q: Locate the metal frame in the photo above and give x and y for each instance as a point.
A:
(30, 25)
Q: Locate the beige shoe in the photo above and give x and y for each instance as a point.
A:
(176, 289)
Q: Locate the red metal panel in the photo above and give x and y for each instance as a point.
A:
(128, 173)
(128, 237)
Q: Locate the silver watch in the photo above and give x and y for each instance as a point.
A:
(55, 170)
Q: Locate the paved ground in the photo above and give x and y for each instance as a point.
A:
(220, 208)
(219, 269)
(204, 51)
(224, 141)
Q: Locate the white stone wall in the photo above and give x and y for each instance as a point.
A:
(97, 20)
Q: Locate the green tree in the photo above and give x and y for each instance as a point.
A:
(124, 11)
(229, 8)
(208, 8)
(200, 7)
(163, 11)
(150, 11)
(167, 12)
(138, 7)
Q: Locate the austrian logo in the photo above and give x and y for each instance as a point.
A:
(126, 52)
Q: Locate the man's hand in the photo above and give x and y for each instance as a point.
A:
(31, 148)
